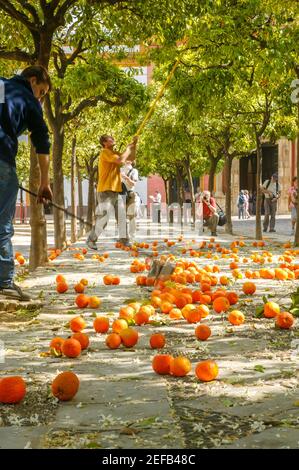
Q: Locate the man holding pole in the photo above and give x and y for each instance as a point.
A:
(109, 190)
(20, 110)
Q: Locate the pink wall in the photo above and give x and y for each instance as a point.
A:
(155, 183)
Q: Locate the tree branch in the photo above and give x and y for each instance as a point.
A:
(59, 17)
(209, 67)
(6, 6)
(31, 10)
(17, 54)
(90, 102)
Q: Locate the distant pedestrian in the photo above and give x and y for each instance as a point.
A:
(246, 194)
(293, 202)
(156, 206)
(272, 191)
(241, 204)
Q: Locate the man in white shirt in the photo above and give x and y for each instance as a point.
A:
(272, 191)
(129, 176)
(156, 209)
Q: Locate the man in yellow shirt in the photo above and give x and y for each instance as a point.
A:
(109, 190)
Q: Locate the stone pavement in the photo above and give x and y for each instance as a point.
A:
(122, 403)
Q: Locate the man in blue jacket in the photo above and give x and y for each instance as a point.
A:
(20, 110)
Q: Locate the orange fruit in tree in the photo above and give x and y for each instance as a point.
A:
(79, 288)
(161, 363)
(119, 324)
(65, 386)
(271, 309)
(113, 341)
(60, 278)
(12, 389)
(206, 370)
(157, 341)
(56, 343)
(180, 366)
(284, 320)
(71, 348)
(101, 324)
(94, 301)
(77, 324)
(221, 304)
(82, 338)
(62, 287)
(129, 337)
(203, 332)
(249, 288)
(82, 300)
(236, 317)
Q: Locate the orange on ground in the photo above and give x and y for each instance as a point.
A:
(271, 309)
(193, 316)
(249, 288)
(65, 386)
(203, 332)
(180, 366)
(113, 341)
(62, 287)
(127, 312)
(236, 317)
(221, 304)
(12, 389)
(161, 363)
(82, 300)
(157, 341)
(77, 324)
(79, 288)
(284, 320)
(129, 337)
(60, 278)
(94, 301)
(82, 338)
(71, 348)
(206, 370)
(56, 343)
(119, 324)
(175, 314)
(101, 324)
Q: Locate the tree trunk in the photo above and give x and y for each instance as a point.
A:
(38, 247)
(212, 172)
(180, 187)
(80, 200)
(73, 192)
(166, 185)
(258, 222)
(296, 241)
(191, 187)
(58, 189)
(228, 195)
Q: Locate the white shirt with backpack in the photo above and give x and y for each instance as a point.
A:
(132, 173)
(273, 186)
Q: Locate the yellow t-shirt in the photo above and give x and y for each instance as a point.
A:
(109, 172)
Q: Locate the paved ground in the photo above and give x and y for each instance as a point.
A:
(121, 402)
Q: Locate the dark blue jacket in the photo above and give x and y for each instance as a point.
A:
(19, 112)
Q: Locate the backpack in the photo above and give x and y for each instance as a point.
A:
(124, 190)
(241, 200)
